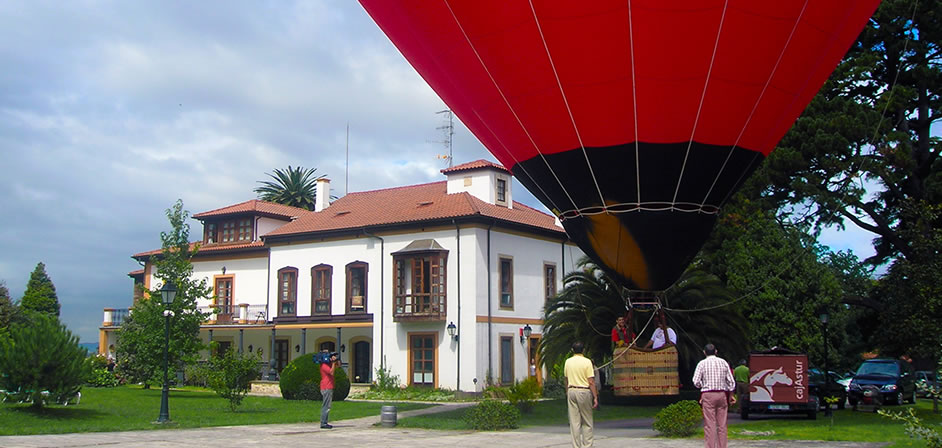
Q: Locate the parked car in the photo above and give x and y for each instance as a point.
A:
(833, 389)
(924, 380)
(845, 381)
(895, 379)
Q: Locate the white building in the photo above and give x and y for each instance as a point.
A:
(385, 273)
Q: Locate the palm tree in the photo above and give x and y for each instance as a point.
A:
(296, 187)
(698, 307)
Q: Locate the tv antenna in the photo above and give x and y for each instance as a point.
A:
(448, 129)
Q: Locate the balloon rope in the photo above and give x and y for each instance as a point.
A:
(758, 100)
(706, 84)
(562, 92)
(507, 103)
(634, 102)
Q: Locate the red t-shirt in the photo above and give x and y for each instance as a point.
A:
(327, 376)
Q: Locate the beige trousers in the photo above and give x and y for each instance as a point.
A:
(580, 417)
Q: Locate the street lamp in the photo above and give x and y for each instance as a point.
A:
(827, 383)
(525, 333)
(167, 293)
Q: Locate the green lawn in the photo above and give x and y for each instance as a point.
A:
(132, 408)
(849, 426)
(545, 413)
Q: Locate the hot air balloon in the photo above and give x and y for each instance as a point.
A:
(633, 121)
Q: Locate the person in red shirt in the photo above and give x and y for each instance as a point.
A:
(327, 389)
(621, 336)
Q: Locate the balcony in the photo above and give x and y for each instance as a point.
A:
(115, 317)
(424, 307)
(241, 314)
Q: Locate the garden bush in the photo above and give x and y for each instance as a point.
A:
(553, 388)
(491, 415)
(303, 371)
(196, 374)
(102, 378)
(524, 393)
(231, 375)
(680, 419)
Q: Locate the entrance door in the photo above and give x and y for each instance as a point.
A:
(422, 359)
(281, 354)
(533, 361)
(361, 362)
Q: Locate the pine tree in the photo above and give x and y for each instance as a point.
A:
(8, 310)
(40, 293)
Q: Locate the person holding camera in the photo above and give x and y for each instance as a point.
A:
(327, 387)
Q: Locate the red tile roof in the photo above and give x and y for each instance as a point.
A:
(257, 207)
(136, 273)
(207, 248)
(415, 203)
(477, 164)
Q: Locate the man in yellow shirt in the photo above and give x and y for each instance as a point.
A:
(581, 395)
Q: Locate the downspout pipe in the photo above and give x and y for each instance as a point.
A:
(458, 342)
(382, 289)
(490, 343)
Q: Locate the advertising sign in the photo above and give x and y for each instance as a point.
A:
(778, 378)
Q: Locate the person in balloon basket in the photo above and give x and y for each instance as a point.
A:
(715, 380)
(581, 396)
(662, 335)
(327, 389)
(621, 335)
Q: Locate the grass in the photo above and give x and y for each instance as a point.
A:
(132, 408)
(545, 413)
(849, 426)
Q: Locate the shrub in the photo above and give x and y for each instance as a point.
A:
(303, 370)
(553, 388)
(680, 419)
(231, 375)
(491, 415)
(42, 356)
(524, 393)
(385, 380)
(916, 428)
(197, 374)
(103, 378)
(495, 392)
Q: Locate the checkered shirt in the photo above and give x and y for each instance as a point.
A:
(713, 373)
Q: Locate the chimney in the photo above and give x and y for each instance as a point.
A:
(322, 200)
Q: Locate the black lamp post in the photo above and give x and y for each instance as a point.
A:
(167, 293)
(827, 378)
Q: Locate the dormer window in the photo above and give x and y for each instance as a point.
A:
(236, 230)
(501, 190)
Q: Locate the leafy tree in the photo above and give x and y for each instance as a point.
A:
(40, 293)
(776, 271)
(231, 374)
(296, 187)
(586, 309)
(140, 341)
(9, 312)
(42, 356)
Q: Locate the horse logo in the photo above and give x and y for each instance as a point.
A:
(761, 383)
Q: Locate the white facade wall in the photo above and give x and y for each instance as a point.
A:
(264, 225)
(481, 183)
(249, 278)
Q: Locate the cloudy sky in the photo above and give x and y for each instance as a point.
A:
(110, 111)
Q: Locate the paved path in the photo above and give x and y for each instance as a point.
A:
(361, 432)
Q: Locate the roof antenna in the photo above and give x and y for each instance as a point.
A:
(449, 130)
(346, 168)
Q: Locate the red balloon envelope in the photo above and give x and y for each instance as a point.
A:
(634, 121)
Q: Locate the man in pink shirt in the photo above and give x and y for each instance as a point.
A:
(715, 380)
(327, 389)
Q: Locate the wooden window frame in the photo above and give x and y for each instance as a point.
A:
(549, 283)
(408, 301)
(211, 233)
(349, 281)
(435, 344)
(244, 229)
(500, 282)
(227, 232)
(317, 289)
(500, 344)
(292, 291)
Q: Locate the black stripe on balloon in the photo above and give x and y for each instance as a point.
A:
(668, 240)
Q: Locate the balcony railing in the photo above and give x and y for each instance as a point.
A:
(421, 306)
(115, 317)
(242, 313)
